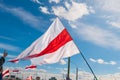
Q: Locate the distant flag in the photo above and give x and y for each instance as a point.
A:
(31, 67)
(6, 73)
(55, 44)
(15, 70)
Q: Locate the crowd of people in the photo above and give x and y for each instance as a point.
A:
(2, 61)
(16, 78)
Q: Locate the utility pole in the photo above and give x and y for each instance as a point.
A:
(76, 73)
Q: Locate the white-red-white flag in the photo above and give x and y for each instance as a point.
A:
(6, 73)
(31, 67)
(55, 44)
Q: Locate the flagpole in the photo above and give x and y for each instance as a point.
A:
(68, 73)
(88, 66)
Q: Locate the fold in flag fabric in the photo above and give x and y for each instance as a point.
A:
(6, 73)
(55, 44)
(31, 67)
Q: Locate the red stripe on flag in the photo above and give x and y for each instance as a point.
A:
(14, 61)
(4, 73)
(31, 67)
(54, 45)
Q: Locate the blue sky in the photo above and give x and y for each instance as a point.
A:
(94, 26)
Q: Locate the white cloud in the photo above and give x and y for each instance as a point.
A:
(109, 8)
(113, 62)
(44, 10)
(43, 70)
(91, 10)
(9, 47)
(72, 25)
(98, 36)
(36, 1)
(109, 5)
(25, 16)
(101, 61)
(93, 60)
(115, 24)
(7, 38)
(62, 62)
(73, 12)
(56, 1)
(113, 20)
(67, 5)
